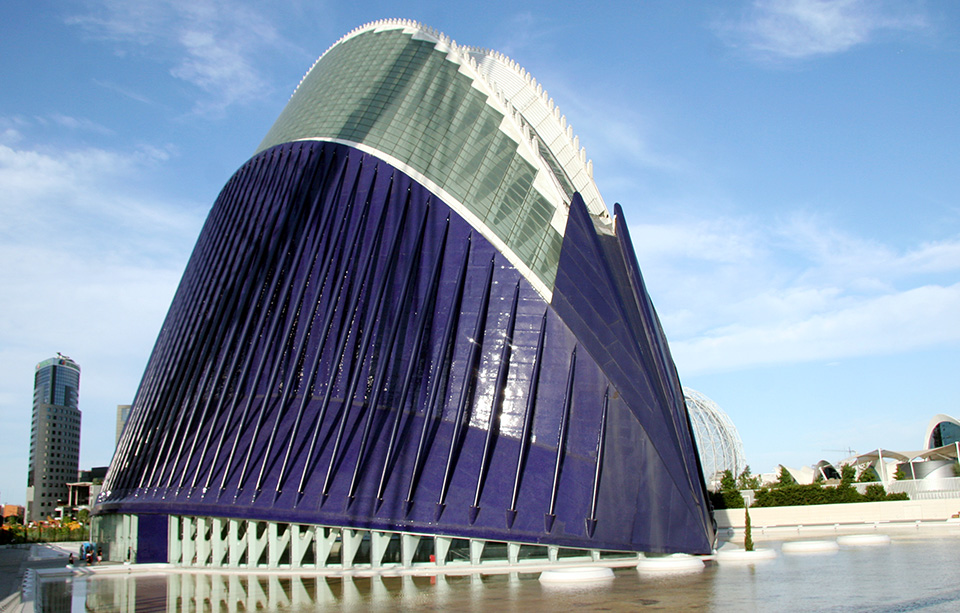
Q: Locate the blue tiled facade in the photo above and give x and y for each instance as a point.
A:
(346, 349)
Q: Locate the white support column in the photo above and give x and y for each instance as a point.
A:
(299, 544)
(513, 553)
(325, 538)
(552, 552)
(441, 546)
(125, 540)
(132, 538)
(174, 551)
(202, 541)
(218, 548)
(349, 545)
(595, 555)
(378, 547)
(255, 545)
(408, 547)
(188, 546)
(237, 545)
(277, 543)
(476, 550)
(273, 545)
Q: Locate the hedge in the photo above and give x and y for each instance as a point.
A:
(794, 495)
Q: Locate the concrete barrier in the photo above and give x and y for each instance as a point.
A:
(899, 511)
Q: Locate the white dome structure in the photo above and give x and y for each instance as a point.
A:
(718, 441)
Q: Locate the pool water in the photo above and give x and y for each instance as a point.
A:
(915, 572)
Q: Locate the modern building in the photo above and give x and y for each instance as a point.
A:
(942, 431)
(410, 332)
(83, 491)
(936, 463)
(718, 441)
(123, 413)
(54, 436)
(13, 510)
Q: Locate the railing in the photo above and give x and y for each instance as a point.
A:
(921, 489)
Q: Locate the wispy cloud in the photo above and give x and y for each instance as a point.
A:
(79, 124)
(211, 44)
(797, 29)
(71, 197)
(124, 91)
(893, 323)
(735, 293)
(519, 32)
(89, 264)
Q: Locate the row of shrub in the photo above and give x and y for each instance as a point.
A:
(13, 534)
(726, 500)
(815, 493)
(786, 492)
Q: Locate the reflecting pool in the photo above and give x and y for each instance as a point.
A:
(915, 572)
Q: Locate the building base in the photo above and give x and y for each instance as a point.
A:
(218, 542)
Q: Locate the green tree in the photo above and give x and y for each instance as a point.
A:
(847, 474)
(727, 482)
(747, 530)
(900, 475)
(867, 475)
(785, 478)
(746, 481)
(729, 496)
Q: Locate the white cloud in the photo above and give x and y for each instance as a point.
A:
(797, 29)
(89, 268)
(211, 44)
(74, 123)
(735, 294)
(71, 199)
(903, 321)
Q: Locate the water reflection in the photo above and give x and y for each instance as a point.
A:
(913, 573)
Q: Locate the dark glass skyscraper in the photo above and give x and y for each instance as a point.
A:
(409, 316)
(54, 435)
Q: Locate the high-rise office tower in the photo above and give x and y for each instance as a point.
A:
(54, 435)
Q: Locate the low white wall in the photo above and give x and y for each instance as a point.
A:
(828, 514)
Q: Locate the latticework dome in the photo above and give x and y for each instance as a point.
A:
(717, 438)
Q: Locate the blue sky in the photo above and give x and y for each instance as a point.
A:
(788, 169)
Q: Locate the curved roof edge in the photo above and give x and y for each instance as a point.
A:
(934, 422)
(454, 203)
(525, 103)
